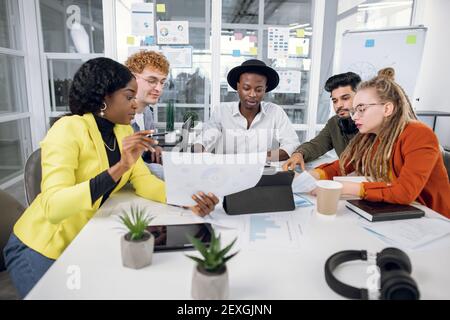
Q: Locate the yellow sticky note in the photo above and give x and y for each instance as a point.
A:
(254, 51)
(411, 39)
(299, 51)
(300, 33)
(161, 7)
(130, 40)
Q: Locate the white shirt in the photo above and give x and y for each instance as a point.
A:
(139, 120)
(226, 131)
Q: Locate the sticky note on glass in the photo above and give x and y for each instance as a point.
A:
(236, 53)
(238, 36)
(370, 43)
(299, 51)
(254, 51)
(253, 39)
(160, 7)
(411, 39)
(149, 40)
(130, 40)
(300, 33)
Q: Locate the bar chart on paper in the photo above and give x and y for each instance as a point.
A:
(271, 231)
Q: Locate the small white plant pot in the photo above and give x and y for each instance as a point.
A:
(209, 286)
(137, 254)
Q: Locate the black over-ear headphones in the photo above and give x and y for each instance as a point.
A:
(395, 280)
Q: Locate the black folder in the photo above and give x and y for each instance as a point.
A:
(273, 193)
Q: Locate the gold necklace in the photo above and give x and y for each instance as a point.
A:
(113, 149)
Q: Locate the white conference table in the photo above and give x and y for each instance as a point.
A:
(91, 266)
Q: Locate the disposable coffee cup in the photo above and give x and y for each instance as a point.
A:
(328, 195)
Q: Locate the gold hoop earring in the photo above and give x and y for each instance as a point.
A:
(102, 113)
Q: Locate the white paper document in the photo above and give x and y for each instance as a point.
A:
(278, 44)
(173, 32)
(221, 174)
(303, 183)
(274, 231)
(179, 57)
(290, 81)
(410, 234)
(142, 19)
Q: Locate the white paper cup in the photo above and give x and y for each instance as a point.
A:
(328, 195)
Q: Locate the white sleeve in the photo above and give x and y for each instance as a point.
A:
(285, 132)
(211, 132)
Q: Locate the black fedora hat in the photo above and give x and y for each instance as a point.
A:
(255, 66)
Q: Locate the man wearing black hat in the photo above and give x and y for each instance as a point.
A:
(250, 124)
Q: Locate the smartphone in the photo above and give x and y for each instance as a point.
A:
(174, 237)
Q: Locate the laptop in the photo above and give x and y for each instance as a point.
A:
(185, 129)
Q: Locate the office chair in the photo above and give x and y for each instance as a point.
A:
(446, 155)
(10, 213)
(33, 176)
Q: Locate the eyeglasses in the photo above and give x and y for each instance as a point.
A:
(362, 107)
(153, 82)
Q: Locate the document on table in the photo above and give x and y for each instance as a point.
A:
(410, 234)
(221, 174)
(303, 183)
(273, 231)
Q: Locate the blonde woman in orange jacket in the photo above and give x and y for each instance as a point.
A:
(399, 155)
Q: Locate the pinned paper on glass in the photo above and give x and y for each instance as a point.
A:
(278, 45)
(290, 81)
(179, 57)
(173, 32)
(142, 19)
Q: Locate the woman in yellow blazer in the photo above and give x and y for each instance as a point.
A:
(85, 158)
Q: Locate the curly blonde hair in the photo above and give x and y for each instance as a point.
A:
(142, 59)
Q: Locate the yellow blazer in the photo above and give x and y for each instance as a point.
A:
(72, 153)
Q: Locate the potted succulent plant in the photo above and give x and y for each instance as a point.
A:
(210, 277)
(137, 244)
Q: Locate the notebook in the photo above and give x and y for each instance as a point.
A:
(381, 211)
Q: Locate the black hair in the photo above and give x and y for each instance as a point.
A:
(96, 79)
(343, 80)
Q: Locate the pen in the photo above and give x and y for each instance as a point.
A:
(156, 134)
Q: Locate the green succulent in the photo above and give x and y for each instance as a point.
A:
(214, 258)
(136, 221)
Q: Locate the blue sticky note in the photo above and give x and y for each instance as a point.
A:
(236, 53)
(149, 40)
(370, 43)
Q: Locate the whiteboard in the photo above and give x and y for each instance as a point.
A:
(367, 51)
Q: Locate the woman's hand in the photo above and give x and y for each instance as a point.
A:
(205, 203)
(132, 148)
(349, 189)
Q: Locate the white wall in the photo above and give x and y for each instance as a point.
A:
(433, 84)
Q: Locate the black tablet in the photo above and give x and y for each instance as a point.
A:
(174, 237)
